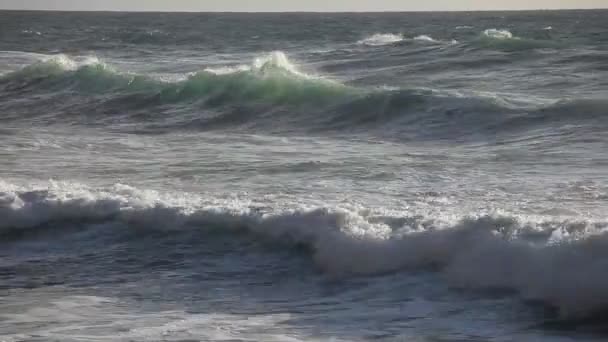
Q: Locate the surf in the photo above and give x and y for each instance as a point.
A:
(547, 259)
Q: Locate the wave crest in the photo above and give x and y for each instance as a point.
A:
(275, 62)
(52, 66)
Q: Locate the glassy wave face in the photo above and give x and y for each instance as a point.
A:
(303, 177)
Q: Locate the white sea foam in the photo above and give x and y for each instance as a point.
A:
(274, 61)
(66, 62)
(226, 70)
(51, 316)
(558, 260)
(45, 65)
(498, 34)
(63, 61)
(34, 32)
(380, 39)
(425, 38)
(277, 60)
(428, 39)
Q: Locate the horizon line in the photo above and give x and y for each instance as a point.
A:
(303, 11)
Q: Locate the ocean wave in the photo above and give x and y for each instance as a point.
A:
(54, 65)
(379, 39)
(501, 39)
(431, 113)
(556, 260)
(425, 38)
(588, 112)
(272, 79)
(275, 61)
(273, 93)
(428, 39)
(505, 40)
(498, 34)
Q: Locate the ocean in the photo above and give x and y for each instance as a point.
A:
(304, 176)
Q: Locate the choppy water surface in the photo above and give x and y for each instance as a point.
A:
(303, 177)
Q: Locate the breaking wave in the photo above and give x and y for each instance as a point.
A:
(272, 79)
(560, 262)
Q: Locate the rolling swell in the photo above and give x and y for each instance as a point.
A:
(273, 95)
(559, 262)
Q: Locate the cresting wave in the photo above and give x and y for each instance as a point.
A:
(560, 263)
(273, 93)
(272, 78)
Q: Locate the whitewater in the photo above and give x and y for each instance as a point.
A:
(303, 177)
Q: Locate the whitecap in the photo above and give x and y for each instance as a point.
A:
(380, 39)
(498, 34)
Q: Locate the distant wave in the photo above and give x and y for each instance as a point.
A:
(505, 40)
(429, 39)
(426, 38)
(559, 261)
(379, 39)
(491, 38)
(32, 32)
(498, 34)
